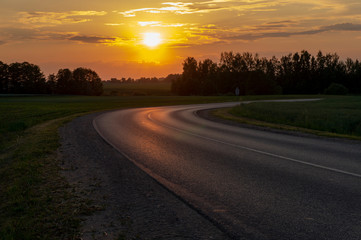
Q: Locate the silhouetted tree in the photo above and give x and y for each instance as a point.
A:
(4, 77)
(172, 77)
(336, 89)
(89, 81)
(51, 84)
(64, 81)
(189, 83)
(353, 75)
(297, 73)
(233, 71)
(207, 74)
(26, 78)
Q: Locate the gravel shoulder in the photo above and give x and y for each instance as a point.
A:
(128, 203)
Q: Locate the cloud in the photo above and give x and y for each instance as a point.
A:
(194, 44)
(149, 23)
(335, 27)
(282, 22)
(24, 34)
(343, 27)
(18, 34)
(94, 39)
(114, 24)
(132, 13)
(57, 18)
(182, 8)
(161, 24)
(275, 25)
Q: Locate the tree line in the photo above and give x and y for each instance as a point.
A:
(298, 73)
(169, 78)
(27, 78)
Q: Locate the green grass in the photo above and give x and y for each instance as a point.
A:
(35, 201)
(334, 116)
(137, 89)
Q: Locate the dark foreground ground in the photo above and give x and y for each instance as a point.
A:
(128, 203)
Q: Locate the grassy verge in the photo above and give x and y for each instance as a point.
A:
(35, 201)
(332, 116)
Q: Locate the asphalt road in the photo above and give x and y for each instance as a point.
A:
(252, 184)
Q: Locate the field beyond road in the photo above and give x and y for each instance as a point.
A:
(137, 89)
(331, 116)
(36, 202)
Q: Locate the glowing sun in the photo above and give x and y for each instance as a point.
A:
(151, 39)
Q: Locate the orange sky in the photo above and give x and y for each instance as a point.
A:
(107, 36)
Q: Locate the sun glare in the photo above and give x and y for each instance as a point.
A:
(151, 39)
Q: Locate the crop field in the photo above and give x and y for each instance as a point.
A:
(337, 116)
(137, 89)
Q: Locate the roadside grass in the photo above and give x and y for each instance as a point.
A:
(36, 201)
(137, 89)
(336, 116)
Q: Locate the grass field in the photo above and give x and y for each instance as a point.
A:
(37, 203)
(137, 89)
(332, 116)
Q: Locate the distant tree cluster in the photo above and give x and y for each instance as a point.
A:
(172, 77)
(298, 73)
(21, 78)
(169, 78)
(81, 81)
(27, 78)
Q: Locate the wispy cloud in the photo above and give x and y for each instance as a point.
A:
(94, 39)
(283, 34)
(212, 34)
(12, 35)
(276, 25)
(342, 27)
(57, 18)
(161, 24)
(182, 8)
(132, 13)
(149, 23)
(114, 24)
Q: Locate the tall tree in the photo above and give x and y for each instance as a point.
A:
(4, 77)
(207, 75)
(87, 82)
(189, 83)
(26, 78)
(51, 84)
(64, 81)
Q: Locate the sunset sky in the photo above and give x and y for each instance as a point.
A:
(108, 36)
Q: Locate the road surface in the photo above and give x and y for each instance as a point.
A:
(252, 184)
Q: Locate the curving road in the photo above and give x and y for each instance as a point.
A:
(252, 184)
